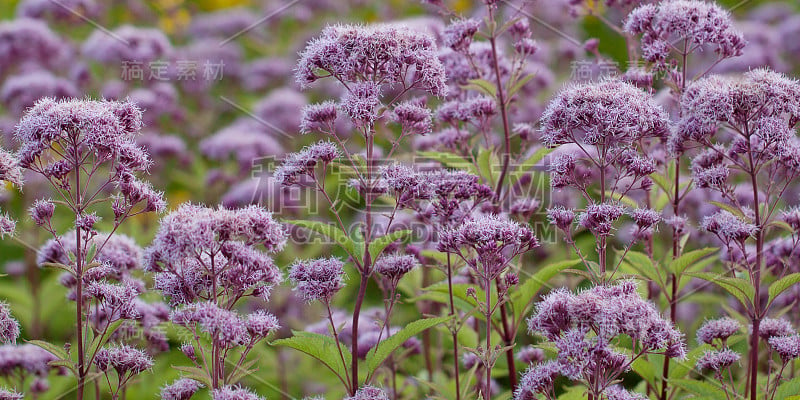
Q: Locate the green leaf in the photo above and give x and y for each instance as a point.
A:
(679, 265)
(738, 287)
(643, 265)
(645, 369)
(523, 296)
(57, 351)
(731, 209)
(482, 85)
(385, 348)
(700, 388)
(195, 373)
(782, 284)
(662, 182)
(99, 340)
(485, 164)
(788, 389)
(783, 225)
(322, 348)
(519, 84)
(622, 199)
(243, 371)
(332, 232)
(379, 244)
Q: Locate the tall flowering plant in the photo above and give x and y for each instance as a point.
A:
(86, 150)
(206, 261)
(376, 66)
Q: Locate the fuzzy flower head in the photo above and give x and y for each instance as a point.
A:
(369, 393)
(610, 113)
(318, 117)
(537, 379)
(125, 360)
(728, 227)
(9, 327)
(234, 393)
(261, 323)
(609, 311)
(718, 329)
(317, 279)
(181, 389)
(787, 347)
(697, 22)
(760, 101)
(495, 240)
(717, 360)
(198, 248)
(600, 218)
(413, 117)
(383, 52)
(224, 327)
(304, 162)
(458, 35)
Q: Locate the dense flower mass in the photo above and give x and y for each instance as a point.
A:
(718, 329)
(610, 113)
(181, 389)
(696, 22)
(198, 250)
(318, 279)
(390, 53)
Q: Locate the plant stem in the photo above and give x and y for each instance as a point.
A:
(508, 340)
(79, 277)
(453, 331)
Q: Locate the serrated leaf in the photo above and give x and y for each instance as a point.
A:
(322, 348)
(738, 287)
(524, 294)
(788, 389)
(700, 388)
(680, 264)
(385, 348)
(195, 373)
(643, 265)
(57, 351)
(482, 85)
(519, 84)
(378, 245)
(781, 285)
(731, 209)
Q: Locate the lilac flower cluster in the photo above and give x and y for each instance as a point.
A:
(494, 239)
(387, 53)
(202, 253)
(9, 172)
(318, 279)
(691, 22)
(304, 163)
(583, 328)
(181, 389)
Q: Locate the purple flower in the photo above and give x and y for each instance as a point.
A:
(21, 91)
(317, 279)
(788, 347)
(561, 217)
(608, 113)
(458, 35)
(530, 355)
(26, 358)
(350, 54)
(123, 359)
(26, 40)
(64, 10)
(9, 327)
(181, 389)
(42, 211)
(495, 239)
(224, 327)
(599, 218)
(717, 360)
(414, 118)
(369, 393)
(721, 329)
(697, 22)
(772, 327)
(6, 394)
(617, 392)
(234, 393)
(261, 323)
(243, 141)
(728, 227)
(318, 117)
(361, 102)
(394, 266)
(537, 379)
(302, 163)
